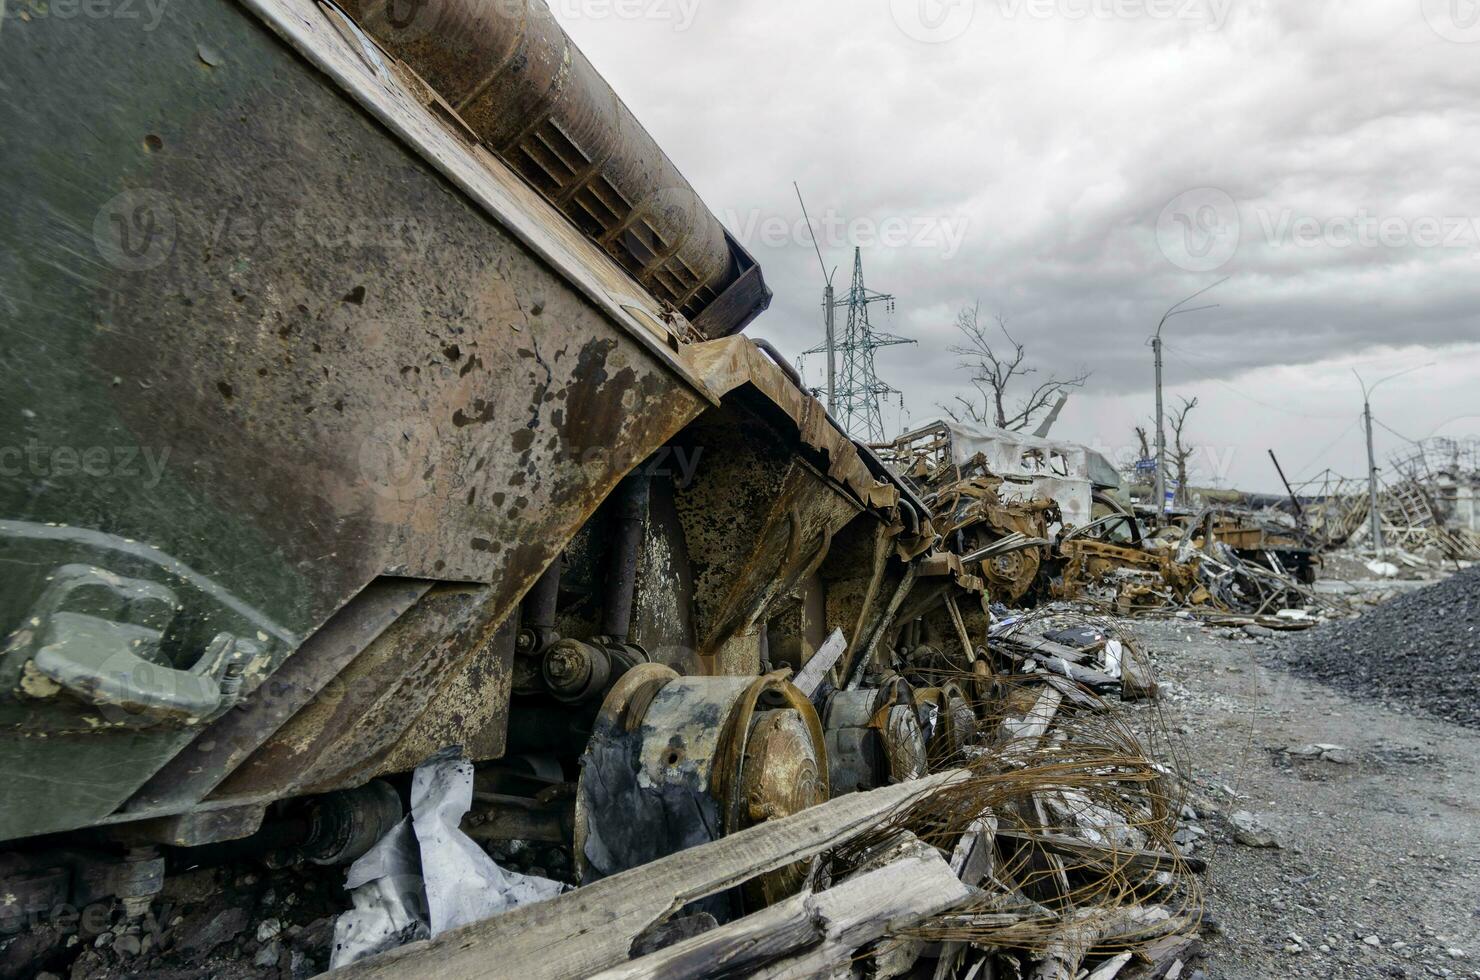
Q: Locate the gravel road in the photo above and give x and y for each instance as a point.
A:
(1377, 809)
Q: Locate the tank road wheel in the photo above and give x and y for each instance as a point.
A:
(679, 761)
(874, 738)
(1012, 574)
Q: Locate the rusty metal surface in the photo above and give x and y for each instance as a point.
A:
(727, 365)
(513, 75)
(402, 103)
(757, 519)
(328, 417)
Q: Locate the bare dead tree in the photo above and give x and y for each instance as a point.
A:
(1181, 449)
(994, 368)
(1144, 438)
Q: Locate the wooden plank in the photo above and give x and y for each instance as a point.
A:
(960, 625)
(1034, 724)
(973, 862)
(821, 663)
(902, 895)
(1135, 674)
(768, 935)
(592, 928)
(837, 922)
(1111, 968)
(973, 858)
(1075, 695)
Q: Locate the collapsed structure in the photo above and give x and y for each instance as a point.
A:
(1427, 502)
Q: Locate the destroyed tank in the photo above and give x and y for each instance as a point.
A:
(374, 385)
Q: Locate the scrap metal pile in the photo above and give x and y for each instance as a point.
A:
(1043, 521)
(1017, 827)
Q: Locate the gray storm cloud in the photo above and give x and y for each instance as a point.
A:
(1080, 166)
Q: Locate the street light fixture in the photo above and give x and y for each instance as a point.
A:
(1161, 432)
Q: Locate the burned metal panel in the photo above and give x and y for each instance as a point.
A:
(342, 368)
(347, 731)
(410, 110)
(734, 364)
(471, 710)
(664, 614)
(756, 519)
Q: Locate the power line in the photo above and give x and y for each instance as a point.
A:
(1322, 454)
(1395, 431)
(1278, 408)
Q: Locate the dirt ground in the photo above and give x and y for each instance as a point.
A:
(1379, 872)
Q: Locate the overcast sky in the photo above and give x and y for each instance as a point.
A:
(1079, 166)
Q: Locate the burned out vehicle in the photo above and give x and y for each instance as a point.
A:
(374, 385)
(1040, 516)
(1040, 520)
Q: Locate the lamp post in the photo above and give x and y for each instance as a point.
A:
(830, 312)
(1374, 515)
(1161, 431)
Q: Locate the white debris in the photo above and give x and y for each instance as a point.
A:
(426, 876)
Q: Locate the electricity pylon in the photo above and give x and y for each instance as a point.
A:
(856, 404)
